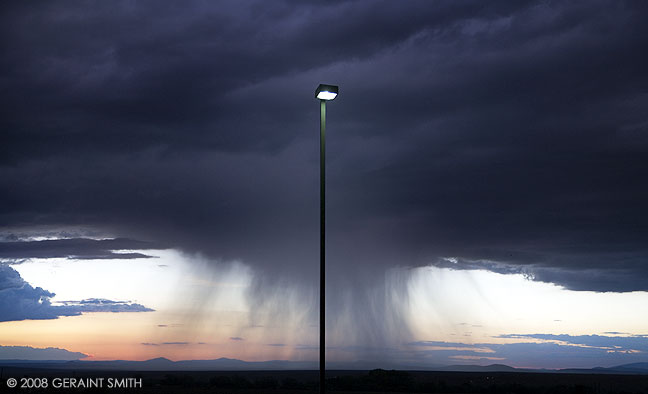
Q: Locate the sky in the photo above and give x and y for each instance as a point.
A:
(486, 193)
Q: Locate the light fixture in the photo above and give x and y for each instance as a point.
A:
(326, 92)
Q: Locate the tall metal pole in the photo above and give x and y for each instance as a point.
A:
(322, 243)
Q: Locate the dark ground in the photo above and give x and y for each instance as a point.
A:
(357, 382)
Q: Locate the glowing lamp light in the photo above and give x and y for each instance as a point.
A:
(326, 92)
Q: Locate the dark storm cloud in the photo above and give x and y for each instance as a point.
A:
(20, 301)
(98, 70)
(78, 248)
(510, 136)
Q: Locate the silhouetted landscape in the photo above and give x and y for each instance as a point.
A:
(229, 364)
(179, 378)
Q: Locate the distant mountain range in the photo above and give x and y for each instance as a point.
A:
(634, 368)
(228, 364)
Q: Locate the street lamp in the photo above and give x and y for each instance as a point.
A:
(323, 93)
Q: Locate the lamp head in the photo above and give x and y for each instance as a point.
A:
(326, 92)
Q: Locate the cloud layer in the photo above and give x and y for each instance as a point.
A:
(540, 351)
(33, 353)
(20, 301)
(75, 248)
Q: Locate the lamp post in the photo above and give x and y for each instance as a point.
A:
(323, 93)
